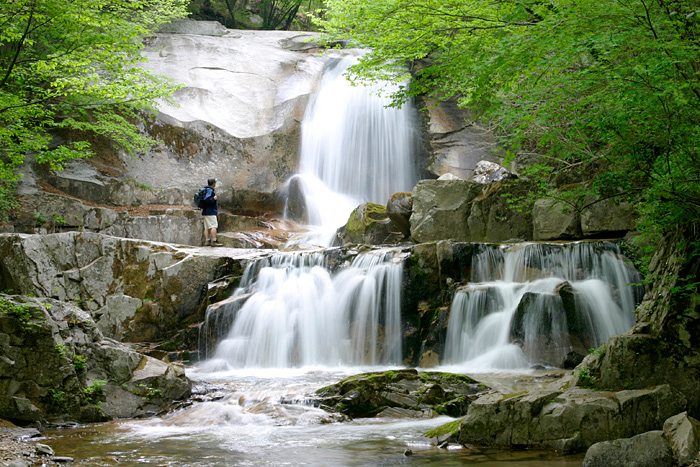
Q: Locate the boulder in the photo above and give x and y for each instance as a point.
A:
(57, 364)
(649, 449)
(424, 393)
(189, 26)
(441, 209)
(368, 224)
(495, 217)
(489, 172)
(608, 218)
(568, 421)
(138, 291)
(683, 434)
(553, 220)
(399, 209)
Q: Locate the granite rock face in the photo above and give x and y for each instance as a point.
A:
(57, 365)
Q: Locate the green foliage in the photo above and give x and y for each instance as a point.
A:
(94, 391)
(58, 399)
(599, 91)
(22, 313)
(79, 362)
(146, 391)
(70, 65)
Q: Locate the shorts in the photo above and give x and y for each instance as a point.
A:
(210, 222)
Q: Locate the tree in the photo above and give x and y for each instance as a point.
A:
(606, 92)
(72, 65)
(279, 14)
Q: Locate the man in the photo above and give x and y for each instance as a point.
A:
(209, 212)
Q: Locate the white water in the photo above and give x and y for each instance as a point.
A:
(354, 149)
(483, 314)
(295, 313)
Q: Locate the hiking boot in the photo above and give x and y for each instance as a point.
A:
(206, 243)
(215, 243)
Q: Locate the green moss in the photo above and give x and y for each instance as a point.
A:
(451, 428)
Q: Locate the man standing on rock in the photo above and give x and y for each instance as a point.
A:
(209, 212)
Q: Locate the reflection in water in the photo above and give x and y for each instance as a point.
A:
(259, 418)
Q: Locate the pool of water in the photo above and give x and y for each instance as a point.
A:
(260, 417)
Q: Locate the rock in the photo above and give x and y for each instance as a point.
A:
(62, 367)
(399, 208)
(427, 393)
(649, 449)
(493, 216)
(441, 209)
(449, 176)
(17, 463)
(446, 433)
(87, 268)
(683, 434)
(189, 26)
(489, 172)
(368, 224)
(572, 360)
(62, 459)
(569, 421)
(539, 327)
(457, 144)
(553, 220)
(295, 207)
(608, 219)
(43, 449)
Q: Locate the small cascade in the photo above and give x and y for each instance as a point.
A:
(354, 149)
(290, 311)
(534, 303)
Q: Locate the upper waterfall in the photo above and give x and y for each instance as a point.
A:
(354, 148)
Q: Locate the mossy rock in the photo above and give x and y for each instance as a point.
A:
(430, 393)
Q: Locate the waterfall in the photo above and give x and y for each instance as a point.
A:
(295, 313)
(354, 149)
(534, 303)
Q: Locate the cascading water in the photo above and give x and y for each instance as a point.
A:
(354, 149)
(534, 303)
(296, 314)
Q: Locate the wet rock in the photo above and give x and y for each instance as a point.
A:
(649, 449)
(446, 433)
(399, 208)
(494, 219)
(569, 421)
(426, 393)
(43, 449)
(368, 224)
(683, 434)
(489, 172)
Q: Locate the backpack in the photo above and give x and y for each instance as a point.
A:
(199, 197)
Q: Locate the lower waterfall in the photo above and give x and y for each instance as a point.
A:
(535, 303)
(293, 312)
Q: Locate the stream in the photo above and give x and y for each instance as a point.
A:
(258, 417)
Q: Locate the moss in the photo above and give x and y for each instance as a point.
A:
(451, 428)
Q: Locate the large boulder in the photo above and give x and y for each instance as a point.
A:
(441, 209)
(57, 365)
(683, 434)
(413, 393)
(608, 218)
(568, 421)
(649, 449)
(399, 209)
(138, 291)
(553, 220)
(368, 224)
